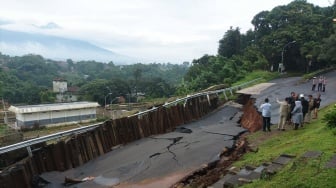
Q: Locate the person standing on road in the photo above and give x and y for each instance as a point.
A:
(314, 84)
(283, 111)
(291, 102)
(324, 83)
(266, 114)
(320, 83)
(317, 102)
(297, 114)
(305, 106)
(310, 108)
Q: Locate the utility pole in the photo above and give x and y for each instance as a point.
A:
(282, 55)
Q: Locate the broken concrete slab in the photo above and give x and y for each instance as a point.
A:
(251, 168)
(283, 159)
(243, 177)
(237, 117)
(236, 177)
(331, 163)
(261, 168)
(244, 172)
(256, 89)
(273, 168)
(233, 182)
(253, 175)
(312, 154)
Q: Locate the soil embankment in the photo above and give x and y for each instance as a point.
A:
(212, 172)
(251, 118)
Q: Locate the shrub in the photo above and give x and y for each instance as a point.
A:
(330, 118)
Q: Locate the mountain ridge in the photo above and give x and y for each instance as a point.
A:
(58, 48)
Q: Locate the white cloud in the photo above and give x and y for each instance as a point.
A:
(160, 30)
(50, 25)
(27, 48)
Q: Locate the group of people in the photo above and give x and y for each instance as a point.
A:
(294, 110)
(321, 83)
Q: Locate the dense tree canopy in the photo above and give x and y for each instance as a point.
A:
(299, 35)
(28, 79)
(229, 45)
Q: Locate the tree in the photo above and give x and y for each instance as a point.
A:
(198, 65)
(46, 96)
(229, 45)
(329, 50)
(261, 24)
(298, 21)
(253, 59)
(94, 90)
(157, 88)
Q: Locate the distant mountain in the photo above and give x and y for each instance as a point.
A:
(57, 48)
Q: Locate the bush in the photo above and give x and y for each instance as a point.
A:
(330, 118)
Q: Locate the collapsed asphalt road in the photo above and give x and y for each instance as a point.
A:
(160, 160)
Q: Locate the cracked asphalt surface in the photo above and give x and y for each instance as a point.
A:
(161, 160)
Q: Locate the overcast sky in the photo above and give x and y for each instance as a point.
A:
(158, 30)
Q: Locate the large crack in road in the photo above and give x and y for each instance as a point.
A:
(179, 140)
(174, 140)
(161, 156)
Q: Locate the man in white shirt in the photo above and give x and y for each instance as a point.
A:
(266, 114)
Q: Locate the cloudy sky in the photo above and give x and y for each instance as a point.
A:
(157, 30)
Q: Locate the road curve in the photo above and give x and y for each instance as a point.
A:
(282, 87)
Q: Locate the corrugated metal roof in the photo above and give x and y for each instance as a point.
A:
(51, 107)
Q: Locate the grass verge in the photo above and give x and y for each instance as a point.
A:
(300, 172)
(265, 75)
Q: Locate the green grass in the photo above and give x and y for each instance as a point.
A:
(318, 72)
(265, 75)
(300, 172)
(2, 129)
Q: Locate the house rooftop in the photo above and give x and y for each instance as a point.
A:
(52, 107)
(60, 79)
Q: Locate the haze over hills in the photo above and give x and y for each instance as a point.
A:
(20, 43)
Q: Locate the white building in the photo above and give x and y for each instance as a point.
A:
(63, 92)
(54, 114)
(60, 85)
